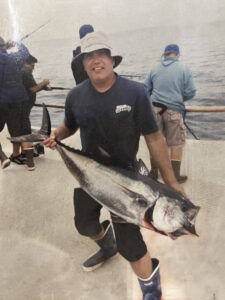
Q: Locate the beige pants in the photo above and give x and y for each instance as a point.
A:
(172, 126)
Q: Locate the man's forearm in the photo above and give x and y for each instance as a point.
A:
(62, 132)
(159, 153)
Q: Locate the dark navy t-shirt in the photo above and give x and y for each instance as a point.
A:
(113, 120)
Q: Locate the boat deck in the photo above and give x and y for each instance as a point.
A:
(41, 253)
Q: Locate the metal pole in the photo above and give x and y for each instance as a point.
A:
(205, 108)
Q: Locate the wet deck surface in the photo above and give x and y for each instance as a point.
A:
(41, 253)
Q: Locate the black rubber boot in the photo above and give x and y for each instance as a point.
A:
(5, 161)
(108, 248)
(176, 168)
(30, 161)
(40, 149)
(151, 287)
(154, 172)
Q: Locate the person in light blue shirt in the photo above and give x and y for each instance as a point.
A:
(169, 84)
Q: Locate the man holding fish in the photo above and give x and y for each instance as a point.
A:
(111, 113)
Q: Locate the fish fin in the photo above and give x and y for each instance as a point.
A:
(117, 219)
(141, 168)
(103, 152)
(46, 122)
(33, 137)
(72, 149)
(39, 135)
(103, 157)
(190, 223)
(190, 228)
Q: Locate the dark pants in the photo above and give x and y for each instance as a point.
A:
(16, 116)
(4, 111)
(128, 236)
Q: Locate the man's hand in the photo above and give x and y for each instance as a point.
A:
(159, 152)
(178, 188)
(59, 133)
(47, 88)
(45, 84)
(50, 142)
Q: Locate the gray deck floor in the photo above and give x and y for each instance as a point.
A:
(41, 253)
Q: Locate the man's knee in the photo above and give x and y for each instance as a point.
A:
(130, 252)
(85, 228)
(87, 212)
(130, 242)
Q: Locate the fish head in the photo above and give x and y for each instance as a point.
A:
(172, 217)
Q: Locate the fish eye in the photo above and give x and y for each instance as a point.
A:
(142, 202)
(184, 208)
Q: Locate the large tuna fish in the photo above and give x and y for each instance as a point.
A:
(132, 197)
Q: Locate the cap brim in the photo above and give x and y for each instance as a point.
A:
(118, 60)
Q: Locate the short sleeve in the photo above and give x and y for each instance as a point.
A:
(145, 115)
(148, 84)
(69, 119)
(28, 80)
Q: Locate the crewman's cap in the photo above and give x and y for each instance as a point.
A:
(172, 48)
(31, 60)
(85, 29)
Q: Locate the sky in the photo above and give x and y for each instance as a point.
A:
(20, 17)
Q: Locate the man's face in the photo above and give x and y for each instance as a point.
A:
(29, 67)
(99, 65)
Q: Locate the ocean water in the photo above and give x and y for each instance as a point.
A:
(202, 49)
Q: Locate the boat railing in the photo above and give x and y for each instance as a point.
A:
(204, 109)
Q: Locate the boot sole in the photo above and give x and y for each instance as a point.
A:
(90, 269)
(5, 163)
(30, 168)
(182, 180)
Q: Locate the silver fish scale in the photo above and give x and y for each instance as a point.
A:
(102, 184)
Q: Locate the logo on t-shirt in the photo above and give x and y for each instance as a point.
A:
(124, 107)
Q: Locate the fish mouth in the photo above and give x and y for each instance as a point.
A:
(189, 226)
(148, 220)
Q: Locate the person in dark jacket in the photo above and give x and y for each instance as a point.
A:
(5, 161)
(77, 67)
(12, 91)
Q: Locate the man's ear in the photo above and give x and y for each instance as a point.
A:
(83, 65)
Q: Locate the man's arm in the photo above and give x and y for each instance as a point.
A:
(59, 134)
(148, 84)
(159, 152)
(40, 86)
(189, 86)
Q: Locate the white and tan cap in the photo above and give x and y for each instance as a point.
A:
(95, 41)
